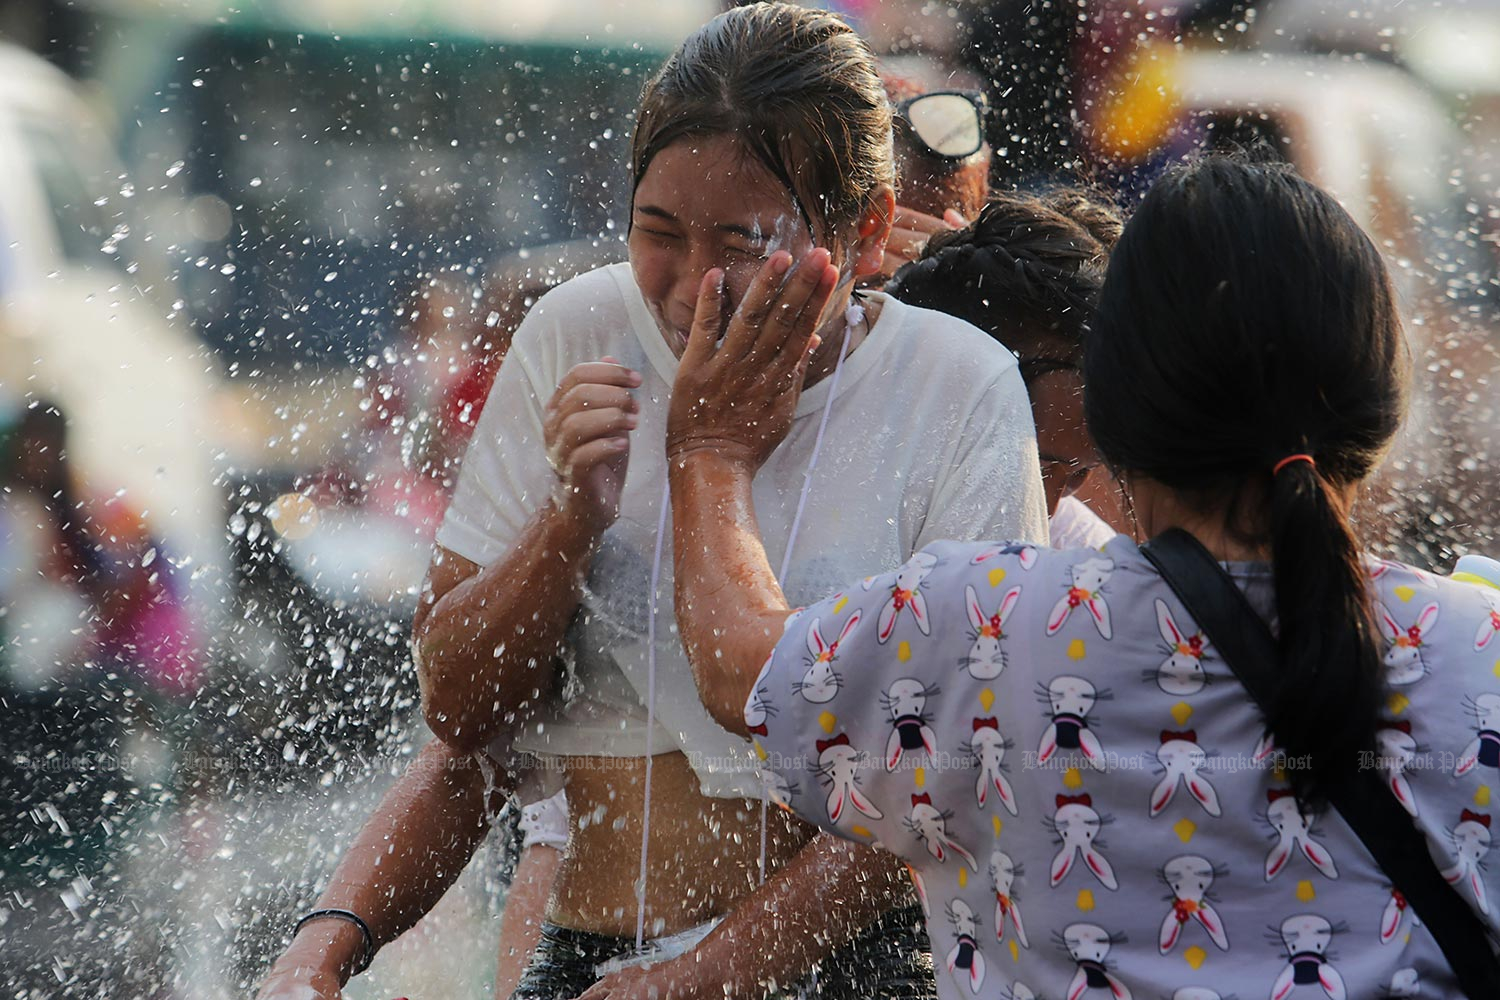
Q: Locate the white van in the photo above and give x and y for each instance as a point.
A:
(86, 312)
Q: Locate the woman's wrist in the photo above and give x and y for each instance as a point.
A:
(573, 527)
(332, 947)
(710, 458)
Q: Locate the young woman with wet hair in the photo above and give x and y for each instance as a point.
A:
(1027, 271)
(766, 138)
(1245, 374)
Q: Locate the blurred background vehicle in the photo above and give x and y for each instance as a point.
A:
(89, 309)
(264, 257)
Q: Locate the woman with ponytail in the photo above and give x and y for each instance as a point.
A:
(1027, 271)
(1090, 799)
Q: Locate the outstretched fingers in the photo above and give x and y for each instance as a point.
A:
(794, 313)
(708, 320)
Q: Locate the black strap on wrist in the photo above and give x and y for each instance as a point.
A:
(354, 918)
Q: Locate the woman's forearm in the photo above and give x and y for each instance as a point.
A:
(820, 901)
(487, 638)
(404, 859)
(730, 609)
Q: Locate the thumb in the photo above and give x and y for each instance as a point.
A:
(955, 219)
(707, 319)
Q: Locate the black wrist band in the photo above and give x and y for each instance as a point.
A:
(357, 921)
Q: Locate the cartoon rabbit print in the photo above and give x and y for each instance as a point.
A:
(822, 682)
(1306, 938)
(1181, 673)
(1076, 825)
(1088, 945)
(986, 657)
(1182, 758)
(1087, 591)
(988, 747)
(838, 767)
(1293, 833)
(1403, 661)
(1003, 875)
(1471, 842)
(930, 824)
(1484, 748)
(1190, 878)
(778, 789)
(1490, 627)
(1395, 749)
(964, 958)
(759, 710)
(906, 592)
(911, 727)
(1392, 916)
(1026, 554)
(1071, 699)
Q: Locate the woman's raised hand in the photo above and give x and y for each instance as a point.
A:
(587, 432)
(736, 396)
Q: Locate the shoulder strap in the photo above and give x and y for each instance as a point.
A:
(1399, 848)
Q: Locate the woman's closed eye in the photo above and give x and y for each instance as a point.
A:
(658, 234)
(739, 254)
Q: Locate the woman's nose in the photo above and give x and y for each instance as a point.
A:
(698, 262)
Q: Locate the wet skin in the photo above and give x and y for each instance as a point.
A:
(702, 204)
(1067, 452)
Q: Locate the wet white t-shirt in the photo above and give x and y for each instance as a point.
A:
(929, 437)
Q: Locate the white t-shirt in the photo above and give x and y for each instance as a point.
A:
(930, 437)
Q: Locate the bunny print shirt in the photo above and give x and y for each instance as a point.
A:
(1083, 792)
(928, 436)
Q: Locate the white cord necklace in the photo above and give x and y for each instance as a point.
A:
(854, 316)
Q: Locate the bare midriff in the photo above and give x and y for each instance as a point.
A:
(703, 856)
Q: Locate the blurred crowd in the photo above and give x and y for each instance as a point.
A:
(335, 235)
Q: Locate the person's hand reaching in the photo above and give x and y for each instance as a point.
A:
(736, 396)
(910, 231)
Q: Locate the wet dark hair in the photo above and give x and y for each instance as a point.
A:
(797, 87)
(1245, 317)
(1027, 271)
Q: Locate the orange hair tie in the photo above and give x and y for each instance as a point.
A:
(1276, 470)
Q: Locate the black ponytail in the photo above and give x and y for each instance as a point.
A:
(1246, 318)
(1331, 686)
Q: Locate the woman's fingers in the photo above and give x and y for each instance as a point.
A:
(606, 372)
(917, 222)
(579, 429)
(593, 396)
(708, 319)
(905, 245)
(585, 457)
(794, 318)
(756, 306)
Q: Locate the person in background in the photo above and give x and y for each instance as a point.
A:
(943, 162)
(1246, 373)
(1028, 271)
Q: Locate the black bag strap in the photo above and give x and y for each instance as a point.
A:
(1245, 643)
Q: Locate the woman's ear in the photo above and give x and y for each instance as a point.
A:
(872, 231)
